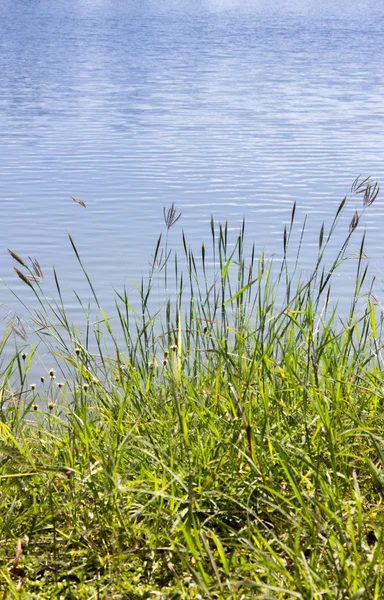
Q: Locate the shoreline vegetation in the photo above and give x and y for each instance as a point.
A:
(230, 446)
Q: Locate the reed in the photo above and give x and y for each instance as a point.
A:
(226, 445)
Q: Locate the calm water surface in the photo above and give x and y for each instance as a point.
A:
(225, 109)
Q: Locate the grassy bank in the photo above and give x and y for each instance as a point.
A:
(229, 446)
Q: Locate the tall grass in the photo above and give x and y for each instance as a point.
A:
(227, 446)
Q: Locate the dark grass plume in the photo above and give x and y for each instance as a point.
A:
(78, 201)
(17, 257)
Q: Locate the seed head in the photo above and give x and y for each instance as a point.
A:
(33, 386)
(35, 407)
(51, 405)
(17, 257)
(78, 201)
(354, 222)
(170, 217)
(23, 277)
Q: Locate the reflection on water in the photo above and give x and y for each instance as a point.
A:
(224, 109)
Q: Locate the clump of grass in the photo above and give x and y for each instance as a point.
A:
(227, 446)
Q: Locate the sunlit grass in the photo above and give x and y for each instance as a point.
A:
(228, 446)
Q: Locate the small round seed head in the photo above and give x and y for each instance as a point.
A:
(122, 367)
(78, 351)
(117, 379)
(35, 407)
(85, 387)
(60, 384)
(23, 356)
(42, 379)
(51, 372)
(166, 352)
(33, 386)
(165, 362)
(152, 364)
(95, 381)
(51, 405)
(173, 347)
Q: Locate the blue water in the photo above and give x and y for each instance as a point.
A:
(227, 108)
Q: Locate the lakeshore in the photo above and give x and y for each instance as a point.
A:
(228, 449)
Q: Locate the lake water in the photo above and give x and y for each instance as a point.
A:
(228, 108)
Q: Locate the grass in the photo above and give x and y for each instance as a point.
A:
(228, 446)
